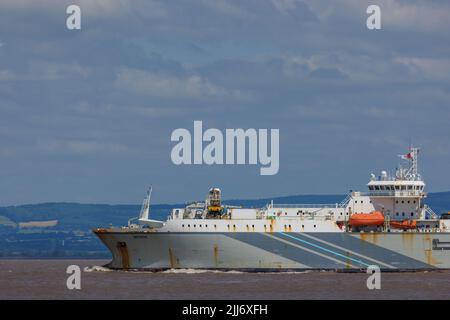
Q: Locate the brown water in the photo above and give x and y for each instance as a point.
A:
(46, 279)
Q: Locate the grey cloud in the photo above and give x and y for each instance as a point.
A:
(94, 109)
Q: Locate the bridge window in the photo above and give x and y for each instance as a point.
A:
(397, 187)
(412, 214)
(396, 214)
(370, 187)
(403, 214)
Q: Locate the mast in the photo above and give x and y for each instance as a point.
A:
(145, 210)
(413, 171)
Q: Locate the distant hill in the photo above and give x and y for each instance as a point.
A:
(70, 236)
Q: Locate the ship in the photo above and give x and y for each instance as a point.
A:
(389, 226)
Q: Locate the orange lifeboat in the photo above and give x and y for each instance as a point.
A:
(405, 224)
(375, 218)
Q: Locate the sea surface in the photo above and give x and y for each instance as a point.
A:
(46, 279)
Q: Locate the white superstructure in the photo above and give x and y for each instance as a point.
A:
(398, 197)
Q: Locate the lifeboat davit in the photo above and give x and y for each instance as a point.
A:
(375, 218)
(405, 224)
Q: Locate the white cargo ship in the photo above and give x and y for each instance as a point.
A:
(388, 226)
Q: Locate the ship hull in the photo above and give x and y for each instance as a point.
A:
(282, 251)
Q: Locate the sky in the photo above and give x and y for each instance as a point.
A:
(87, 115)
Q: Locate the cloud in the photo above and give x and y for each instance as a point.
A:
(434, 69)
(167, 86)
(105, 99)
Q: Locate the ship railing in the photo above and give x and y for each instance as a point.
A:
(303, 205)
(430, 211)
(392, 193)
(344, 202)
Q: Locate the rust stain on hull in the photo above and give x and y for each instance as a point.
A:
(173, 261)
(429, 257)
(216, 255)
(123, 251)
(369, 237)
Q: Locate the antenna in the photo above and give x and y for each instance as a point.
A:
(145, 210)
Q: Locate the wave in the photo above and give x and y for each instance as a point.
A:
(96, 269)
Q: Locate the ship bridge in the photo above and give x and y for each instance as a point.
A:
(398, 196)
(406, 182)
